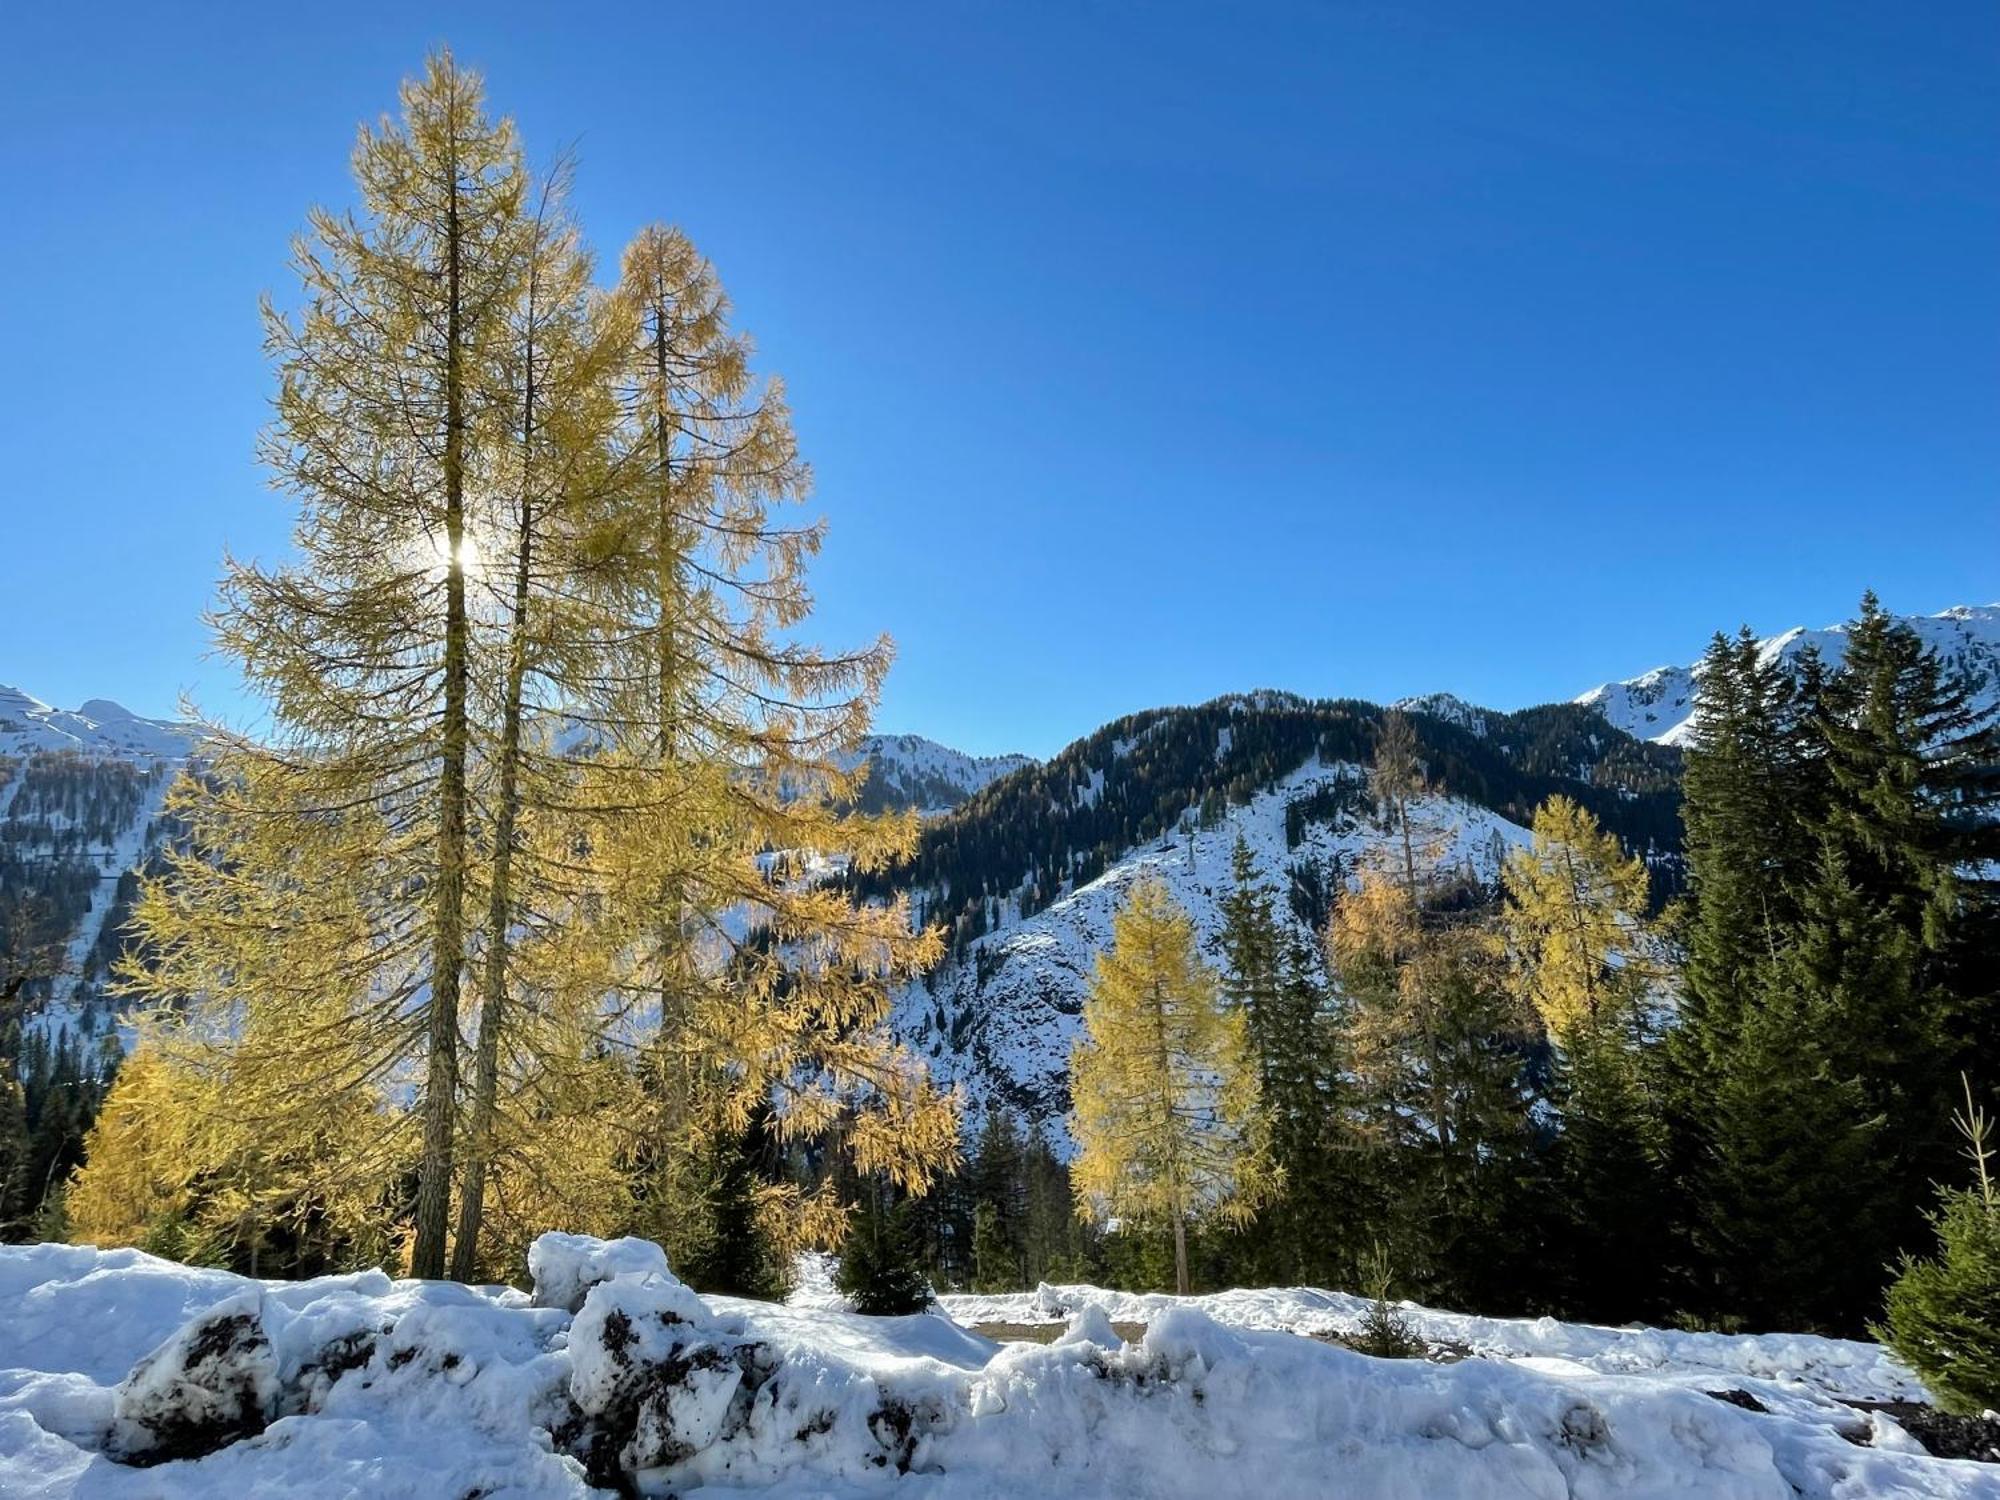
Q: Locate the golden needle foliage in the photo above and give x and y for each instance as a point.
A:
(1167, 1114)
(550, 783)
(1575, 924)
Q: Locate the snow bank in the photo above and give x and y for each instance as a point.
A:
(564, 1267)
(1843, 1368)
(366, 1387)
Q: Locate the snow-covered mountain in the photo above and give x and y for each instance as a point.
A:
(81, 796)
(1449, 707)
(100, 727)
(1024, 862)
(1000, 1019)
(909, 771)
(1025, 881)
(1659, 705)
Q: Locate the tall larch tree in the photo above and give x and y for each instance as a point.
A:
(1396, 779)
(748, 982)
(1166, 1107)
(329, 876)
(541, 599)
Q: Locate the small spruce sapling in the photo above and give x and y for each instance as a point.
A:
(1943, 1314)
(1385, 1332)
(880, 1270)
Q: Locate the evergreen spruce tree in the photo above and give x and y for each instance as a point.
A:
(1754, 791)
(1252, 947)
(1900, 920)
(1796, 1192)
(1166, 1109)
(880, 1270)
(1838, 960)
(1055, 1242)
(14, 1157)
(1433, 1039)
(997, 1184)
(731, 1250)
(1270, 975)
(995, 1266)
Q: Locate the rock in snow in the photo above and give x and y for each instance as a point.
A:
(360, 1386)
(212, 1383)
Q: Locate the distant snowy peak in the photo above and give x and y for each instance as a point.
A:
(99, 727)
(909, 771)
(1659, 705)
(1656, 705)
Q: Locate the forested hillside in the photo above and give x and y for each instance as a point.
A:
(1050, 828)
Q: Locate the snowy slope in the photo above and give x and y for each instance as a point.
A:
(100, 727)
(1001, 1020)
(1659, 705)
(909, 771)
(81, 794)
(615, 1372)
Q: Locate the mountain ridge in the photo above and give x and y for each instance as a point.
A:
(99, 726)
(1659, 704)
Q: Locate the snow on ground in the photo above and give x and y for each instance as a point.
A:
(1841, 1368)
(362, 1386)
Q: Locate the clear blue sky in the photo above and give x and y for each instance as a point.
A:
(1143, 352)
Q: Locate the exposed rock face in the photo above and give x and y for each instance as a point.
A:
(212, 1383)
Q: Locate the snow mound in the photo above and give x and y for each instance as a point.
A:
(366, 1387)
(213, 1382)
(564, 1267)
(1845, 1369)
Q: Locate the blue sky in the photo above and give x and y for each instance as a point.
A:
(1142, 352)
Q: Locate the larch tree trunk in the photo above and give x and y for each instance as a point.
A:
(434, 1172)
(500, 903)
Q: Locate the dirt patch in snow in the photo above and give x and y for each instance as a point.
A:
(1942, 1434)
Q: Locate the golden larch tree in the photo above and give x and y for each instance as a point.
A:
(1574, 918)
(1165, 1098)
(547, 759)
